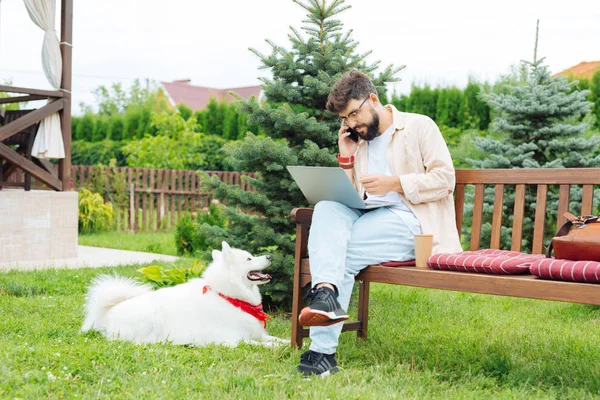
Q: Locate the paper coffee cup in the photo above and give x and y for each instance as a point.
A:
(423, 249)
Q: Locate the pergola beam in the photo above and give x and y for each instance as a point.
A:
(29, 166)
(29, 119)
(19, 99)
(40, 92)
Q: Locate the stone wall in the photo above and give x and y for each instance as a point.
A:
(37, 225)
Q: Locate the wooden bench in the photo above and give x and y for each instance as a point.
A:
(506, 285)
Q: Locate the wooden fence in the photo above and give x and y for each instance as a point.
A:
(157, 197)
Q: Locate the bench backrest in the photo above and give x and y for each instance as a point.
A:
(564, 178)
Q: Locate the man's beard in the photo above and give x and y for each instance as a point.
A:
(372, 128)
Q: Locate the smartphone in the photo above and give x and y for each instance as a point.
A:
(353, 135)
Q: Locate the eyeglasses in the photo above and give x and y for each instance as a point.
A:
(352, 115)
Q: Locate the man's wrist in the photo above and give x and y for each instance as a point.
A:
(345, 160)
(398, 184)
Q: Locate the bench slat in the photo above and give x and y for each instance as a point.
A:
(529, 176)
(459, 206)
(497, 218)
(477, 215)
(563, 205)
(587, 202)
(540, 219)
(517, 230)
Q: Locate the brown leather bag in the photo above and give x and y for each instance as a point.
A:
(582, 243)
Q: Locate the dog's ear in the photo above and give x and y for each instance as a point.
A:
(227, 254)
(225, 246)
(216, 255)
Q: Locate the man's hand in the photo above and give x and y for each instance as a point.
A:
(381, 184)
(347, 146)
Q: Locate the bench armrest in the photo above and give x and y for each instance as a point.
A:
(302, 215)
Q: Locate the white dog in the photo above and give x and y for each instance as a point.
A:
(222, 307)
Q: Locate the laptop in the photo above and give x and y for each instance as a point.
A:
(329, 183)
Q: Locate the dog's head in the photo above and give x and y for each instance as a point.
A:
(241, 264)
(236, 273)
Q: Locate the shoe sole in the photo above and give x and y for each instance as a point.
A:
(309, 317)
(309, 375)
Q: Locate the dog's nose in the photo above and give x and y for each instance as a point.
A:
(269, 258)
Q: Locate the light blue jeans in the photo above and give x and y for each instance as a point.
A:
(342, 242)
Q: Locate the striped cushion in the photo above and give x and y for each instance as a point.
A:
(567, 270)
(409, 263)
(489, 261)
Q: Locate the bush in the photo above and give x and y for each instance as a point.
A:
(85, 127)
(185, 111)
(116, 128)
(423, 100)
(449, 106)
(449, 101)
(159, 277)
(189, 238)
(473, 113)
(93, 153)
(230, 123)
(462, 146)
(177, 145)
(94, 214)
(100, 129)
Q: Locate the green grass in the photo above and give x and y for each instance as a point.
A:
(423, 344)
(150, 242)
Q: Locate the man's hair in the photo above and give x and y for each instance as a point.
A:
(352, 85)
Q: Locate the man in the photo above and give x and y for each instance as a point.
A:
(400, 158)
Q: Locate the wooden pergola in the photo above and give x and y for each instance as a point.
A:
(59, 101)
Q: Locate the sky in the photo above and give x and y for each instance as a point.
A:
(440, 42)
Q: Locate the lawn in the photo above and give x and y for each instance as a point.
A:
(149, 242)
(423, 343)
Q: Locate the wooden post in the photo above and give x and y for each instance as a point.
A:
(161, 198)
(131, 208)
(66, 49)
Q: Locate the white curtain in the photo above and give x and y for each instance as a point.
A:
(48, 141)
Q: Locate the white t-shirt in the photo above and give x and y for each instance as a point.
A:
(377, 163)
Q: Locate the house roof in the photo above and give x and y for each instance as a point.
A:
(585, 69)
(197, 97)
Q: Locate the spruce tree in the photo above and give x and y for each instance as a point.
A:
(539, 125)
(595, 97)
(297, 131)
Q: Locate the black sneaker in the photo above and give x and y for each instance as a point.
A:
(323, 309)
(313, 363)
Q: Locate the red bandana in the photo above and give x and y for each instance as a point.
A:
(255, 311)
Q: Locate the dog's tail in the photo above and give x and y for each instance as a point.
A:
(105, 292)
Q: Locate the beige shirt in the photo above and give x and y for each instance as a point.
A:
(418, 155)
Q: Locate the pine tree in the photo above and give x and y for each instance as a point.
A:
(298, 131)
(595, 97)
(540, 127)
